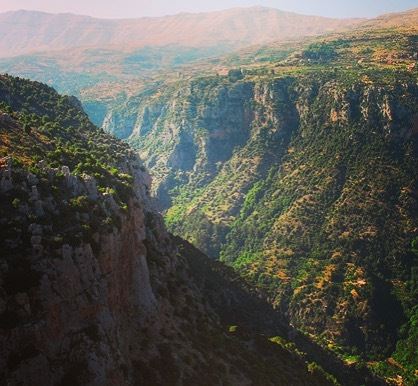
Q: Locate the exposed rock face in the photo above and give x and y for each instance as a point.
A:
(207, 122)
(86, 308)
(6, 182)
(125, 308)
(211, 141)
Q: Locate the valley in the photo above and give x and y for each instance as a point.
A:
(244, 206)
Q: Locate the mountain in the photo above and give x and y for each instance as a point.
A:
(294, 163)
(299, 172)
(404, 20)
(24, 32)
(94, 290)
(73, 53)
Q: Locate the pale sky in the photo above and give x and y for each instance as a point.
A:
(137, 8)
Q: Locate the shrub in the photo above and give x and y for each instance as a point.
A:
(81, 203)
(16, 203)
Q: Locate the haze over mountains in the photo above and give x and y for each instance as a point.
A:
(23, 32)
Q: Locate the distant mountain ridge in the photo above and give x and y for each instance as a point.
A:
(23, 32)
(406, 19)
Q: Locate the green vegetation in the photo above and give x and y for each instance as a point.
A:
(232, 329)
(54, 129)
(320, 52)
(406, 353)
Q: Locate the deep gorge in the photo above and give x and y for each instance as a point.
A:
(195, 217)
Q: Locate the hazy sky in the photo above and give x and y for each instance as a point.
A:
(136, 8)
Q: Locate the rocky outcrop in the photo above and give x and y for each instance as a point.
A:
(78, 322)
(6, 182)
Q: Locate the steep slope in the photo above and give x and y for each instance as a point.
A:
(93, 290)
(243, 307)
(25, 32)
(301, 174)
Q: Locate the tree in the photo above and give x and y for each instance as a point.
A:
(27, 128)
(235, 75)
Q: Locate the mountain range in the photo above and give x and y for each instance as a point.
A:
(24, 32)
